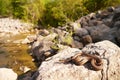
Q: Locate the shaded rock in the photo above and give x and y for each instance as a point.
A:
(94, 22)
(116, 16)
(110, 9)
(41, 51)
(81, 32)
(117, 24)
(7, 74)
(118, 40)
(86, 39)
(27, 76)
(107, 21)
(53, 69)
(101, 32)
(42, 47)
(82, 35)
(76, 44)
(117, 34)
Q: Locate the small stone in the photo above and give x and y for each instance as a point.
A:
(24, 69)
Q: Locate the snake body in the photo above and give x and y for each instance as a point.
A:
(82, 58)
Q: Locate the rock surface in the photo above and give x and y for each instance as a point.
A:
(103, 25)
(7, 74)
(53, 69)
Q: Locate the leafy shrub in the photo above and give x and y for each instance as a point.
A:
(59, 12)
(5, 7)
(94, 5)
(27, 10)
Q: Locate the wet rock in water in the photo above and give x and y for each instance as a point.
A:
(53, 69)
(7, 74)
(29, 39)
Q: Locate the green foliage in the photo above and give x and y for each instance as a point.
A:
(17, 8)
(52, 12)
(27, 10)
(59, 12)
(94, 5)
(5, 7)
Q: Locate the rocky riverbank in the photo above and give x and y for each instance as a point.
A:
(13, 26)
(14, 56)
(92, 37)
(49, 47)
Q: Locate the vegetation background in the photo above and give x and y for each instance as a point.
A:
(51, 12)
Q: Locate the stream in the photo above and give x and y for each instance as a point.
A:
(14, 54)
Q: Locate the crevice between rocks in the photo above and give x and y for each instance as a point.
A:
(105, 72)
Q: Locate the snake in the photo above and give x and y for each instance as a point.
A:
(82, 58)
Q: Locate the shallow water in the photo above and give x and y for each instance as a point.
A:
(14, 54)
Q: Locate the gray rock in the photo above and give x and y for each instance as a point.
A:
(29, 39)
(110, 9)
(86, 39)
(76, 44)
(40, 52)
(101, 32)
(81, 32)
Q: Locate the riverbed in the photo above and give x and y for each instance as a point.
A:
(14, 54)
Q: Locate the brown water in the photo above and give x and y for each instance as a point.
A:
(14, 55)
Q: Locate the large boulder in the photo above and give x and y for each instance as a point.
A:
(7, 74)
(53, 69)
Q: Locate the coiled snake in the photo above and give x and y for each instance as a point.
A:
(82, 58)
